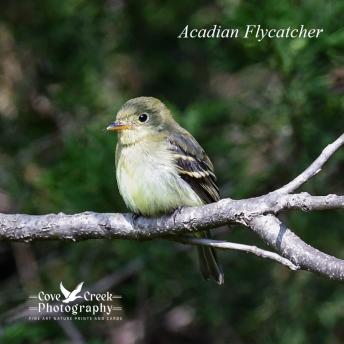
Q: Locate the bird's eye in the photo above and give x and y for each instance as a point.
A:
(143, 117)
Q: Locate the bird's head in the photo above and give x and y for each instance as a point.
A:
(141, 118)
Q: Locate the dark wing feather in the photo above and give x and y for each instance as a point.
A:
(194, 165)
(197, 170)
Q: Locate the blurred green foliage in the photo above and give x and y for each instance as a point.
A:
(262, 110)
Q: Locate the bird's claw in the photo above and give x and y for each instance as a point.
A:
(176, 212)
(135, 217)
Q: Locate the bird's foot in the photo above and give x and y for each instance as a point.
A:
(176, 212)
(135, 217)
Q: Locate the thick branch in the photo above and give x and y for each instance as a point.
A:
(250, 212)
(259, 214)
(306, 202)
(290, 246)
(89, 225)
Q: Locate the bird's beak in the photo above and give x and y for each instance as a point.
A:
(117, 126)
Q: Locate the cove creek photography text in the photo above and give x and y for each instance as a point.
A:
(74, 305)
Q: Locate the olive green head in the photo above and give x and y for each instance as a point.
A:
(140, 118)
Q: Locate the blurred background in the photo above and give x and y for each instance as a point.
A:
(262, 110)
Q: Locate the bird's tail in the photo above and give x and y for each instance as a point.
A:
(208, 262)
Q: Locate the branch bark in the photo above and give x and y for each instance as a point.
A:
(289, 245)
(90, 225)
(258, 214)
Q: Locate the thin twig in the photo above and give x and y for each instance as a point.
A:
(225, 245)
(313, 169)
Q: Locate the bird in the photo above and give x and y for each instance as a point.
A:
(160, 168)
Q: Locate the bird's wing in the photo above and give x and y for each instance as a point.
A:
(77, 290)
(64, 291)
(193, 165)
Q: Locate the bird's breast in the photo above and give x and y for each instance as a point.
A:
(149, 182)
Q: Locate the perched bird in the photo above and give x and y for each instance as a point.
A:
(160, 167)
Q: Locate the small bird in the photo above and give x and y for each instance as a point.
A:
(160, 167)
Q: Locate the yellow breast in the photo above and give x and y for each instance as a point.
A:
(148, 180)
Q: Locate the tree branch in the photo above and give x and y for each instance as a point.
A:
(289, 245)
(258, 214)
(225, 245)
(90, 225)
(314, 168)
